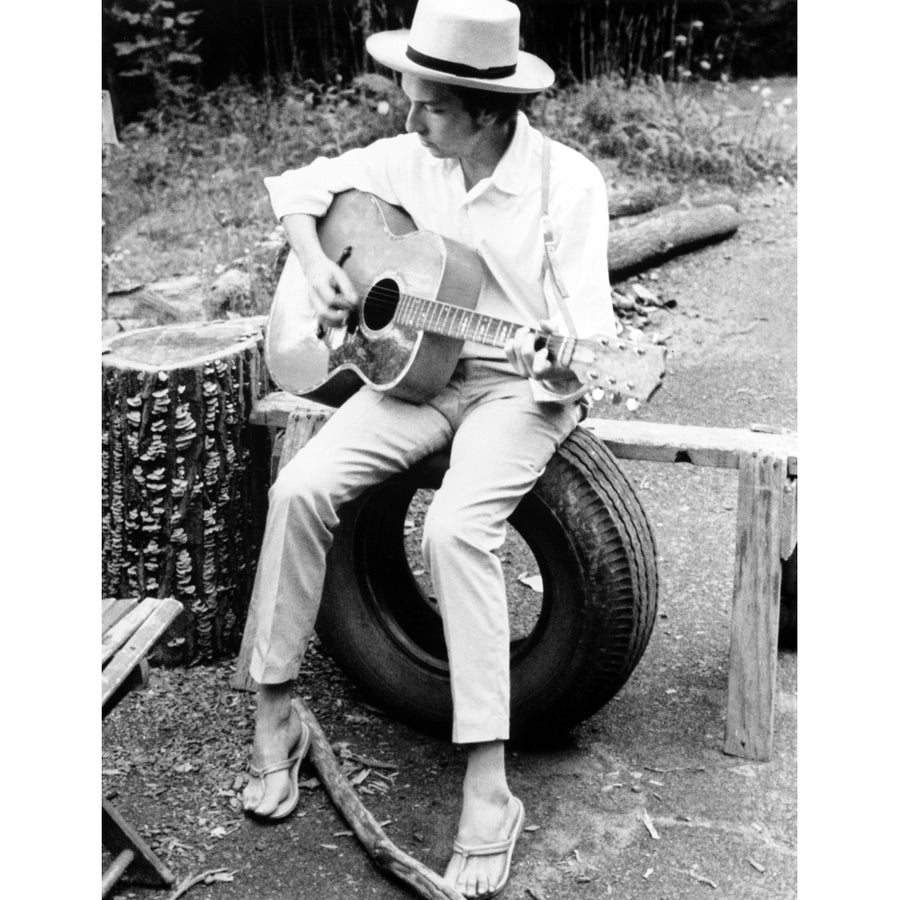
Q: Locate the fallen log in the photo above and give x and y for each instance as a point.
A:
(184, 476)
(385, 853)
(659, 236)
(695, 201)
(642, 200)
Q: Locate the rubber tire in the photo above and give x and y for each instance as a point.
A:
(595, 550)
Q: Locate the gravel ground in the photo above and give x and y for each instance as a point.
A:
(173, 753)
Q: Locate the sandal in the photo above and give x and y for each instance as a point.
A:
(289, 804)
(507, 846)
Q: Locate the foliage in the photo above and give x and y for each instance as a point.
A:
(679, 131)
(266, 41)
(190, 188)
(187, 194)
(157, 46)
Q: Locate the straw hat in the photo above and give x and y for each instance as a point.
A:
(471, 43)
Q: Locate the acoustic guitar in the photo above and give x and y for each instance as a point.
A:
(418, 293)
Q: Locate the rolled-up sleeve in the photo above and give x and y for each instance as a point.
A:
(310, 189)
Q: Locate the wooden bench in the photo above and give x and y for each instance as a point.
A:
(766, 537)
(130, 629)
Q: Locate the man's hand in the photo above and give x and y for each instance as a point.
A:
(528, 355)
(330, 290)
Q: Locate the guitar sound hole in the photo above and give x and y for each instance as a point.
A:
(380, 304)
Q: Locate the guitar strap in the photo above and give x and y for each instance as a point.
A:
(550, 263)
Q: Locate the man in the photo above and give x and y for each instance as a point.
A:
(470, 168)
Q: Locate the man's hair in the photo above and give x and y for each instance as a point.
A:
(475, 101)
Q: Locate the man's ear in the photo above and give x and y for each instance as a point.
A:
(485, 119)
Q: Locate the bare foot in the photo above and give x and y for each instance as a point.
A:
(278, 731)
(482, 823)
(489, 815)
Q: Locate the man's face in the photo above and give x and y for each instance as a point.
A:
(437, 116)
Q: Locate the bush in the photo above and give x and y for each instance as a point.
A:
(679, 131)
(191, 183)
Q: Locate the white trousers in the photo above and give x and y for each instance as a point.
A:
(500, 441)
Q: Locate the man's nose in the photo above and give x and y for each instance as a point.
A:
(413, 119)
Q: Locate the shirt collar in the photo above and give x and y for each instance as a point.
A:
(511, 173)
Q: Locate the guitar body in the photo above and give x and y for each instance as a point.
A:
(387, 258)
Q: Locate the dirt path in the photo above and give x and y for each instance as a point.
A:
(725, 827)
(734, 358)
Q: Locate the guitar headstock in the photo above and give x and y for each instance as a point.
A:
(619, 367)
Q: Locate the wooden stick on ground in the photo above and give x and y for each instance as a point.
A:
(386, 854)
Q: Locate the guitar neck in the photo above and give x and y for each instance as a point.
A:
(455, 322)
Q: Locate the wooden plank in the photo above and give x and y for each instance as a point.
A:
(113, 610)
(241, 680)
(118, 837)
(138, 645)
(700, 445)
(131, 682)
(276, 407)
(302, 425)
(627, 439)
(118, 634)
(753, 654)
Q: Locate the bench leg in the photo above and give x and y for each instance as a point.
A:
(241, 680)
(115, 871)
(121, 840)
(754, 620)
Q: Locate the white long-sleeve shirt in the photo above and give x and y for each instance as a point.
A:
(500, 217)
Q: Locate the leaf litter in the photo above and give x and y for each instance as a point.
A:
(179, 749)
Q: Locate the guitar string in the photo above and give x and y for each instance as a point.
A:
(385, 298)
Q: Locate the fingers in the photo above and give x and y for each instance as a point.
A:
(528, 354)
(331, 292)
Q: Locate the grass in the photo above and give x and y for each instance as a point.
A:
(185, 194)
(719, 133)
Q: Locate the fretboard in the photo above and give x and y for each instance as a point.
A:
(455, 322)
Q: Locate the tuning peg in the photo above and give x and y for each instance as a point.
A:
(597, 394)
(632, 404)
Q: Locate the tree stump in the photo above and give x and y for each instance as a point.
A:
(185, 475)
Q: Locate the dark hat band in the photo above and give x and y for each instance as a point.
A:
(460, 69)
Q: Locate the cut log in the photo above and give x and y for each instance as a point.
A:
(184, 476)
(659, 236)
(722, 196)
(642, 200)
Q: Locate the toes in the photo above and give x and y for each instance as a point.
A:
(252, 794)
(263, 795)
(469, 884)
(270, 800)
